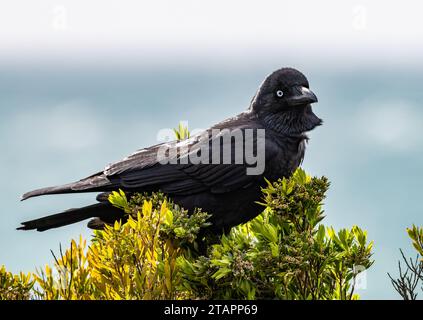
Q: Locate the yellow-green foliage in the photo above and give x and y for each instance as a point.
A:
(182, 132)
(284, 253)
(416, 235)
(15, 287)
(134, 260)
(69, 278)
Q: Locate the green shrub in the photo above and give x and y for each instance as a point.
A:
(134, 260)
(284, 253)
(15, 287)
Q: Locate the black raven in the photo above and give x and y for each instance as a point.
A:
(279, 116)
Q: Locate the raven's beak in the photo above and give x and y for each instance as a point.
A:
(301, 96)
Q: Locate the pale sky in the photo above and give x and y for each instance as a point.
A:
(92, 30)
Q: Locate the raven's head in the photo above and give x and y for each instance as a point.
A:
(284, 101)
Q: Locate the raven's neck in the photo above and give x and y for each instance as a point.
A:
(291, 123)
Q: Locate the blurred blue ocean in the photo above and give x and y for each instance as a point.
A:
(61, 123)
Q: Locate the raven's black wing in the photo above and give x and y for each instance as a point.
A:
(143, 170)
(146, 170)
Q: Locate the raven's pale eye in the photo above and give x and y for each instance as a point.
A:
(279, 93)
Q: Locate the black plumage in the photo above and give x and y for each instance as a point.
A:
(281, 106)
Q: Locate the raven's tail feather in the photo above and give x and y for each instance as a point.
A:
(105, 212)
(97, 182)
(67, 188)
